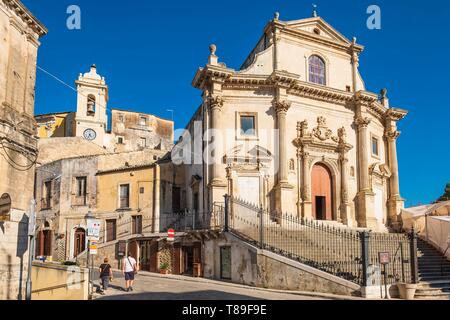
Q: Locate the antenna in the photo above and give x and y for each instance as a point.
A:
(314, 13)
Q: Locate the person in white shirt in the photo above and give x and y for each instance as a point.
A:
(129, 269)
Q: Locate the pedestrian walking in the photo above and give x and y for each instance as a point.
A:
(129, 270)
(105, 275)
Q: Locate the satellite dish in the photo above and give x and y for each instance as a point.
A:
(5, 206)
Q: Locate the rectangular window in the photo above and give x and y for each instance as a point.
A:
(124, 196)
(143, 121)
(137, 225)
(121, 118)
(81, 191)
(143, 143)
(47, 199)
(142, 190)
(375, 147)
(111, 230)
(248, 126)
(120, 140)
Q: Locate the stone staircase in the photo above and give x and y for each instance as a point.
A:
(434, 273)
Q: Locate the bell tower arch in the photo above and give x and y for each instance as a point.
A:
(92, 98)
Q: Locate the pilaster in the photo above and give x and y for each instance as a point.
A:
(365, 203)
(283, 196)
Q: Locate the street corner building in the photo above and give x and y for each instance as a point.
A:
(20, 32)
(106, 168)
(334, 157)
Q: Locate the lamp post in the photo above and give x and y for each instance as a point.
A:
(32, 241)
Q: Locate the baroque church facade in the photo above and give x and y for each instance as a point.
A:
(334, 155)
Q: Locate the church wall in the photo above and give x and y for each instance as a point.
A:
(294, 54)
(261, 64)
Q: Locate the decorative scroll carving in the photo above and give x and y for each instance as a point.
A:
(302, 129)
(216, 102)
(282, 106)
(392, 135)
(362, 122)
(322, 132)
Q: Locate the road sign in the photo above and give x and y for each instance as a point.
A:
(385, 258)
(32, 219)
(171, 235)
(93, 229)
(93, 247)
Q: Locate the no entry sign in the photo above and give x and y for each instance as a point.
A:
(171, 235)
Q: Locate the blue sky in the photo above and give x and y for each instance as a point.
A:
(147, 50)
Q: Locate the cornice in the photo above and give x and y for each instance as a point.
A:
(327, 94)
(238, 81)
(210, 72)
(396, 114)
(26, 16)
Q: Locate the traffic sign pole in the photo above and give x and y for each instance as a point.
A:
(171, 235)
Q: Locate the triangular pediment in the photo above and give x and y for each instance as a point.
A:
(318, 27)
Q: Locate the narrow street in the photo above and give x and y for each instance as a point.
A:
(155, 287)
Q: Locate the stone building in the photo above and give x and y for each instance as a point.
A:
(68, 188)
(20, 32)
(297, 130)
(130, 131)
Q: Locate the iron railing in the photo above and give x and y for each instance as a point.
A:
(444, 261)
(180, 222)
(347, 253)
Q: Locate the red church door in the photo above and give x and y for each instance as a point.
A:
(322, 194)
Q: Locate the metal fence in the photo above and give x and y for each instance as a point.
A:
(193, 220)
(180, 222)
(347, 253)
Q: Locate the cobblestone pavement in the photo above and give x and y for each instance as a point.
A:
(156, 287)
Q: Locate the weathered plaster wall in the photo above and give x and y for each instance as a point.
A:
(259, 268)
(19, 34)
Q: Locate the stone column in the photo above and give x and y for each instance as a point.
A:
(366, 197)
(395, 202)
(363, 153)
(393, 163)
(306, 187)
(218, 184)
(216, 104)
(299, 183)
(284, 189)
(281, 110)
(344, 207)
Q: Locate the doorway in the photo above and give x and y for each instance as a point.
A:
(322, 193)
(80, 242)
(188, 260)
(321, 208)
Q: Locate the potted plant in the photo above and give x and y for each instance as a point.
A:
(407, 290)
(164, 268)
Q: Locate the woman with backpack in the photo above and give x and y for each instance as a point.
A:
(105, 275)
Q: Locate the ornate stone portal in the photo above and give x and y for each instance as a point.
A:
(320, 146)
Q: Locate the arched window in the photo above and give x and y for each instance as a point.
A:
(316, 70)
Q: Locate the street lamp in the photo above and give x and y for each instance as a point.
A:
(32, 242)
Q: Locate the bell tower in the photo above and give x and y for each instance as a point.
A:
(91, 118)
